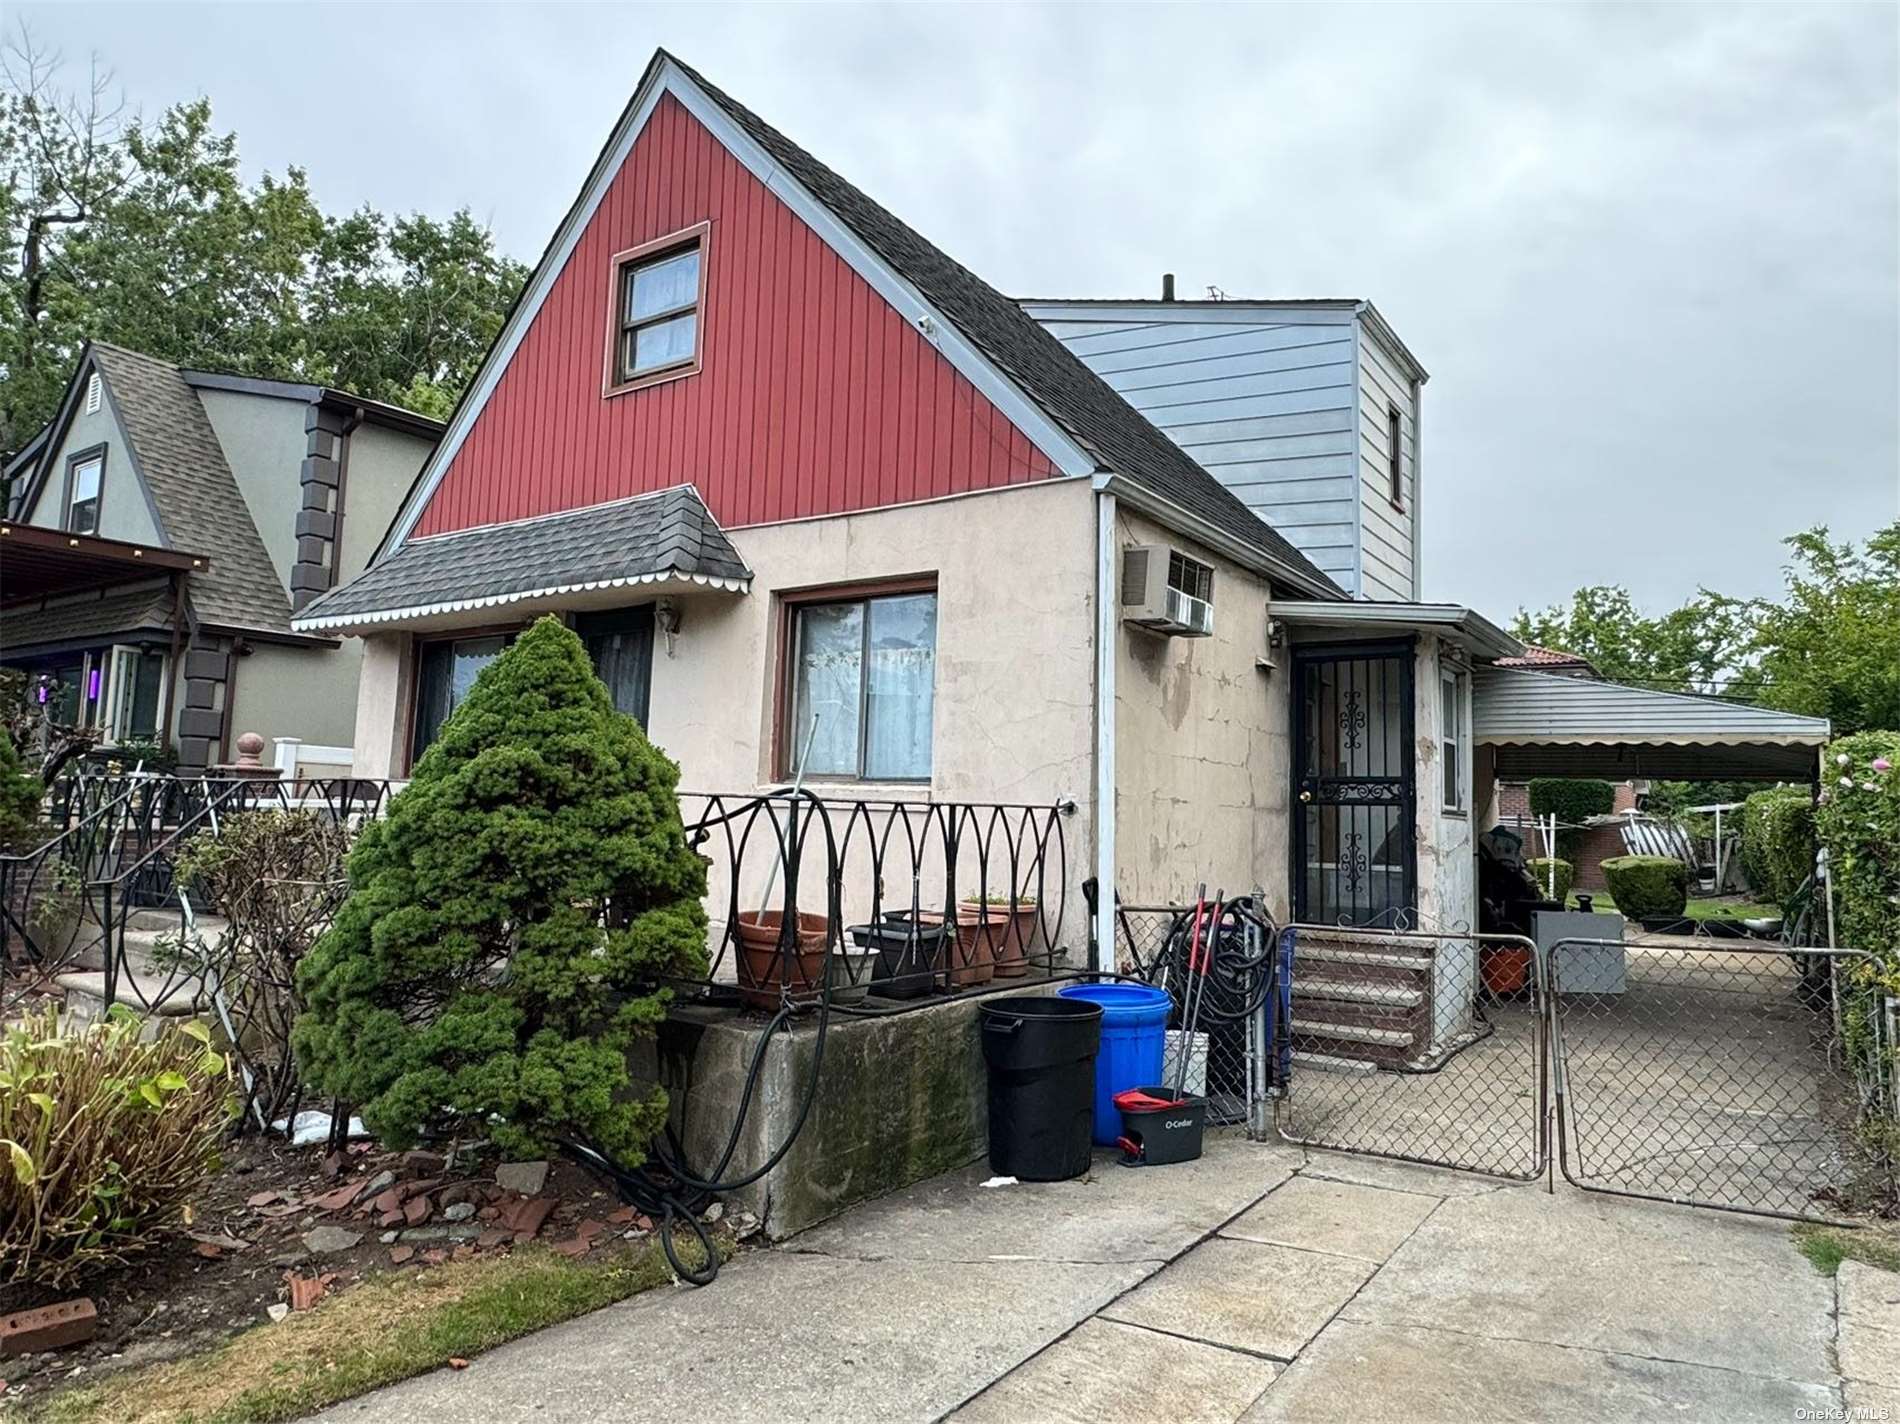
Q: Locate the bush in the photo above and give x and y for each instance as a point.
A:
(506, 923)
(1647, 887)
(1859, 822)
(1778, 841)
(104, 1140)
(1540, 872)
(1572, 802)
(19, 800)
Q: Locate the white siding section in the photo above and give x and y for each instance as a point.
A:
(1262, 398)
(1388, 569)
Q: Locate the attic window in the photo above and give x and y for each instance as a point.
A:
(658, 290)
(1395, 456)
(92, 394)
(83, 479)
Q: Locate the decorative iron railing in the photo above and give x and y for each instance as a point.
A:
(878, 905)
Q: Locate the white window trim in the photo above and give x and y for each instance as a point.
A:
(1454, 742)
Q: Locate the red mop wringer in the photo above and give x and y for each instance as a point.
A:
(1163, 1125)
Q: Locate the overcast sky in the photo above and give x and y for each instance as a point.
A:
(1650, 255)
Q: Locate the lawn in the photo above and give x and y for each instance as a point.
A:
(1827, 1246)
(388, 1329)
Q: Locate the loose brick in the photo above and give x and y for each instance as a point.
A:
(51, 1327)
(417, 1210)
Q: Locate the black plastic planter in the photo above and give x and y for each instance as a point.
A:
(908, 956)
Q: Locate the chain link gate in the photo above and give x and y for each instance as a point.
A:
(1420, 1046)
(1707, 1074)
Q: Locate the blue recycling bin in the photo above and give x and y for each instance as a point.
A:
(1134, 1038)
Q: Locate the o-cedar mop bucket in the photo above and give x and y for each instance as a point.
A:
(1159, 1129)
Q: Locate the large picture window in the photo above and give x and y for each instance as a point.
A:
(863, 687)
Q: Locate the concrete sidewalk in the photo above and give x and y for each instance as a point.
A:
(1260, 1283)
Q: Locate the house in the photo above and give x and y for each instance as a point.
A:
(163, 530)
(821, 501)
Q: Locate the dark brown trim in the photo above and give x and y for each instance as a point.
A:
(699, 235)
(789, 601)
(73, 462)
(412, 673)
(174, 672)
(1395, 456)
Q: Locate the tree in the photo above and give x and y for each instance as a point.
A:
(19, 799)
(1696, 648)
(1831, 647)
(507, 920)
(144, 233)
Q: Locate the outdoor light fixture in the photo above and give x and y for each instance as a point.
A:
(666, 617)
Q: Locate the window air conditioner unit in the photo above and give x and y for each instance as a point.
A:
(1165, 591)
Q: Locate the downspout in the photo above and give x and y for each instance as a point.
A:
(1107, 605)
(1418, 490)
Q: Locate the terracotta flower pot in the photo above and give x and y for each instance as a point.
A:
(1008, 934)
(1506, 968)
(762, 962)
(973, 959)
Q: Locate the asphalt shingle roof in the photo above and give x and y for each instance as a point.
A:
(649, 537)
(1119, 437)
(199, 505)
(115, 614)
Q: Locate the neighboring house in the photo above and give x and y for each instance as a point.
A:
(817, 497)
(1550, 660)
(1307, 410)
(165, 526)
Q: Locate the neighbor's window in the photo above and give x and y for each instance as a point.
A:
(82, 504)
(863, 688)
(445, 671)
(657, 298)
(1452, 730)
(1395, 455)
(134, 679)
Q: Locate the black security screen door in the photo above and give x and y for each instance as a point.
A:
(1354, 856)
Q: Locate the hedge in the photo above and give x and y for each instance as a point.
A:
(1572, 802)
(1648, 887)
(1858, 819)
(1540, 872)
(1778, 841)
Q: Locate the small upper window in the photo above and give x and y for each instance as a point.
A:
(1395, 455)
(82, 507)
(657, 296)
(1451, 687)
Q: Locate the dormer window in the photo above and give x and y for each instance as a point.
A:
(83, 478)
(658, 290)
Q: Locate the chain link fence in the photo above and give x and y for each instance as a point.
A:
(1417, 1045)
(1228, 1050)
(1714, 1076)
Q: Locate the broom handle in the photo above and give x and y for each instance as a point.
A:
(798, 784)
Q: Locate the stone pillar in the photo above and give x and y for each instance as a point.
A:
(201, 719)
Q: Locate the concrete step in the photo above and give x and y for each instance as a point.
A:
(163, 919)
(1341, 1031)
(144, 994)
(1358, 991)
(1330, 1063)
(142, 943)
(1352, 957)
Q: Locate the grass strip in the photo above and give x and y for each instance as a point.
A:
(384, 1330)
(1827, 1246)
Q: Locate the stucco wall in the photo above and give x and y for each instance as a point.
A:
(1446, 872)
(1202, 748)
(263, 440)
(124, 510)
(296, 692)
(382, 466)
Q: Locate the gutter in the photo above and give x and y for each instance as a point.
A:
(1203, 531)
(1107, 601)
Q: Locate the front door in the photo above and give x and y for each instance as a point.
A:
(1354, 821)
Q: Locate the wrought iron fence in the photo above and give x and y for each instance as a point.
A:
(878, 906)
(1418, 1045)
(1717, 1075)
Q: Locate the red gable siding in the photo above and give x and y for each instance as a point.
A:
(815, 396)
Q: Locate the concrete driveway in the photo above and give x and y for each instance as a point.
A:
(1260, 1283)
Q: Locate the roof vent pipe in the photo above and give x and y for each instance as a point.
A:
(1167, 286)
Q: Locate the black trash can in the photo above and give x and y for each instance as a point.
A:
(1040, 1052)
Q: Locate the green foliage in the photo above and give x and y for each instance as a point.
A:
(19, 800)
(1831, 647)
(104, 1140)
(1647, 887)
(1572, 802)
(1540, 867)
(1695, 647)
(507, 920)
(146, 234)
(1778, 841)
(1858, 820)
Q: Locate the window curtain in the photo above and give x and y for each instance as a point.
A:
(899, 682)
(830, 664)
